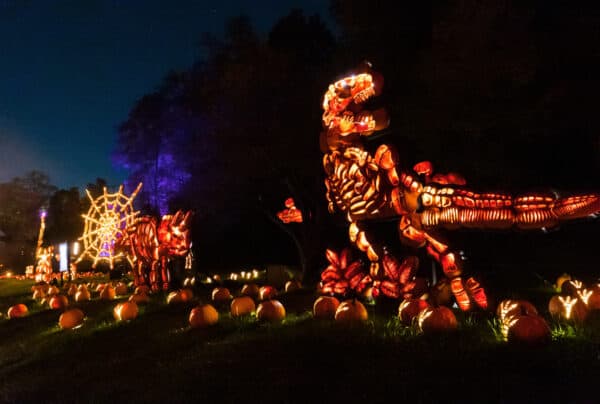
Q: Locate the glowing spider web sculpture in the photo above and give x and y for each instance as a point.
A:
(108, 217)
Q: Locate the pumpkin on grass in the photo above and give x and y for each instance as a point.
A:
(16, 311)
(82, 295)
(410, 309)
(70, 319)
(568, 308)
(325, 307)
(270, 310)
(58, 302)
(529, 329)
(241, 306)
(203, 316)
(108, 293)
(267, 292)
(125, 311)
(139, 298)
(250, 289)
(351, 311)
(292, 285)
(221, 295)
(434, 320)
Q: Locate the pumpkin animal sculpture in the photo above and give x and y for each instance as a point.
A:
(152, 245)
(367, 186)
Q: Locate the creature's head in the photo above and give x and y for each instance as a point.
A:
(343, 106)
(174, 233)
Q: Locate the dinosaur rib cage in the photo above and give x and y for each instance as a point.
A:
(354, 185)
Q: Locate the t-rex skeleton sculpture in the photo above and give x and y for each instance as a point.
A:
(368, 186)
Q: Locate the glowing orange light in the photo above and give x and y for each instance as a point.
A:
(291, 214)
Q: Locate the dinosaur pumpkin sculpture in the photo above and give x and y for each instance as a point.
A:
(366, 186)
(151, 246)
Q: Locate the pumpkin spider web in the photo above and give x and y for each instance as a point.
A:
(105, 222)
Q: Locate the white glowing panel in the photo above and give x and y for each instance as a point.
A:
(63, 253)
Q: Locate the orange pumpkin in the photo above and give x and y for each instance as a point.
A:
(72, 290)
(325, 307)
(270, 310)
(100, 287)
(121, 289)
(18, 310)
(187, 294)
(509, 307)
(241, 306)
(58, 302)
(108, 293)
(220, 295)
(125, 311)
(203, 316)
(82, 295)
(175, 297)
(267, 292)
(52, 290)
(292, 285)
(250, 289)
(351, 311)
(38, 294)
(593, 302)
(142, 289)
(568, 308)
(139, 298)
(437, 319)
(571, 287)
(410, 309)
(70, 319)
(529, 329)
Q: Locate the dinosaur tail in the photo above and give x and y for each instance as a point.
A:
(496, 211)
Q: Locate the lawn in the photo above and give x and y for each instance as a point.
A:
(158, 358)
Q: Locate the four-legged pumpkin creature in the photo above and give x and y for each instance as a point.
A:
(368, 186)
(152, 247)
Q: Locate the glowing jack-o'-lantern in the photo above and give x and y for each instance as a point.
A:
(58, 302)
(16, 311)
(70, 319)
(270, 310)
(434, 320)
(241, 306)
(351, 311)
(568, 308)
(325, 307)
(203, 316)
(591, 298)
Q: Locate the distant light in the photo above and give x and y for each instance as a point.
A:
(76, 248)
(63, 250)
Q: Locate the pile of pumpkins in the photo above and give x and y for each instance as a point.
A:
(269, 309)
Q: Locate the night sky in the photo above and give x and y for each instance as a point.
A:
(70, 71)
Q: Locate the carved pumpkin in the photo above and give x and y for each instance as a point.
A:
(325, 307)
(270, 310)
(528, 329)
(58, 302)
(125, 311)
(410, 309)
(267, 292)
(250, 289)
(351, 311)
(70, 319)
(593, 300)
(16, 311)
(203, 316)
(509, 308)
(107, 293)
(437, 319)
(292, 285)
(82, 295)
(241, 306)
(568, 308)
(139, 298)
(121, 289)
(220, 295)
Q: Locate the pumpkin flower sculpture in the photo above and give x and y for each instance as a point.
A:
(397, 279)
(342, 276)
(367, 186)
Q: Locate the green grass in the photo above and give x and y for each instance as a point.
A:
(159, 358)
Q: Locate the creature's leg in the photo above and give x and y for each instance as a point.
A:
(164, 273)
(138, 274)
(449, 262)
(374, 251)
(154, 276)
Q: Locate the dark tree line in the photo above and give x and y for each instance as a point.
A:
(502, 91)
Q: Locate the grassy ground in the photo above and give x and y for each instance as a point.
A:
(158, 358)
